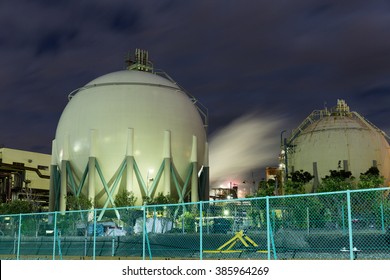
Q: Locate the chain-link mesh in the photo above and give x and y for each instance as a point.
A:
(370, 222)
(339, 225)
(309, 227)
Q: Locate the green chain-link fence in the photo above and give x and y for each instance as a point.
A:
(338, 225)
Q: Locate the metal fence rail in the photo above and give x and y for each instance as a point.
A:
(339, 225)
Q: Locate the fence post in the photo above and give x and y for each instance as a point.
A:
(54, 235)
(94, 234)
(144, 233)
(268, 228)
(200, 230)
(207, 218)
(113, 243)
(351, 252)
(154, 219)
(19, 236)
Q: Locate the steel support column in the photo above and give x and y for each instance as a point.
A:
(167, 162)
(130, 160)
(194, 178)
(63, 187)
(53, 178)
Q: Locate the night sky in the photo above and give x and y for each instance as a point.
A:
(260, 67)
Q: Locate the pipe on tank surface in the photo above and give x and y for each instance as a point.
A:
(345, 165)
(316, 181)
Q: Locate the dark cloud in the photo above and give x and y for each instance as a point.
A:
(280, 58)
(125, 21)
(375, 93)
(54, 41)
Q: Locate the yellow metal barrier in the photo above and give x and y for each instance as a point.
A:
(245, 240)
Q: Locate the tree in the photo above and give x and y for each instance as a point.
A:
(297, 181)
(125, 198)
(80, 202)
(266, 188)
(17, 207)
(338, 180)
(30, 223)
(160, 198)
(301, 176)
(371, 179)
(368, 201)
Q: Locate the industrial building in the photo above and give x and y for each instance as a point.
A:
(135, 130)
(335, 139)
(24, 176)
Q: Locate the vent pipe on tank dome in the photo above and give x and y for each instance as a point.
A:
(140, 61)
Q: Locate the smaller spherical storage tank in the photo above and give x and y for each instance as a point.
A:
(97, 120)
(338, 138)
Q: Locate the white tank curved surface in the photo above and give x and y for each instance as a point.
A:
(110, 105)
(334, 139)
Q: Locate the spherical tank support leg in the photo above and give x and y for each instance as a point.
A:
(167, 162)
(194, 177)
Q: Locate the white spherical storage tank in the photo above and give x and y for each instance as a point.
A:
(338, 139)
(141, 132)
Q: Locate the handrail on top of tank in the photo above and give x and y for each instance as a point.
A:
(201, 108)
(314, 116)
(74, 92)
(367, 122)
